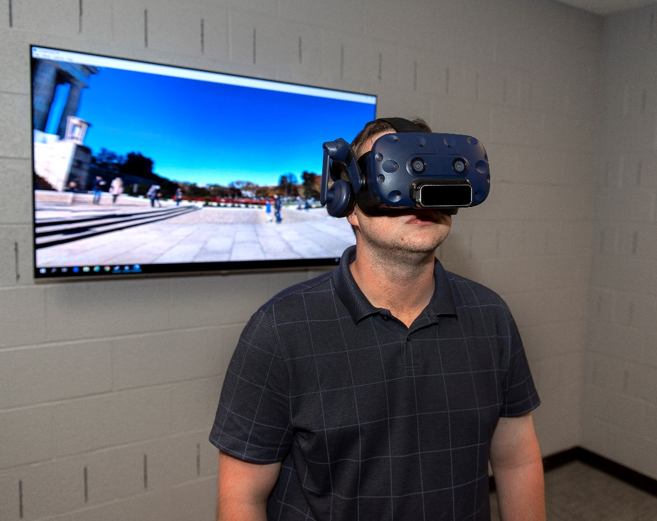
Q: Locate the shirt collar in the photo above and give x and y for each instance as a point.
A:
(442, 300)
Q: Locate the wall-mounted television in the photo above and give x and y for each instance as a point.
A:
(141, 168)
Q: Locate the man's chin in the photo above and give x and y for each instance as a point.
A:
(417, 246)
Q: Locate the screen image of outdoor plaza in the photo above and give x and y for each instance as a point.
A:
(136, 167)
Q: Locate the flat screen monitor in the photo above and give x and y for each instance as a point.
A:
(141, 168)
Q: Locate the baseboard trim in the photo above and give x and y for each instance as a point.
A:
(562, 458)
(625, 474)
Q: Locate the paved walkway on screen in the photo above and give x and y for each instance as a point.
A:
(210, 235)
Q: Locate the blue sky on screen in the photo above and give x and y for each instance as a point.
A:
(213, 133)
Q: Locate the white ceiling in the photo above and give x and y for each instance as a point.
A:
(605, 7)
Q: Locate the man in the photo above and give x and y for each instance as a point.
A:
(116, 188)
(380, 390)
(278, 205)
(154, 195)
(98, 189)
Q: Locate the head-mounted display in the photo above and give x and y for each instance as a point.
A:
(407, 169)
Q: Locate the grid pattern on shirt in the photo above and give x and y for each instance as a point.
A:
(370, 419)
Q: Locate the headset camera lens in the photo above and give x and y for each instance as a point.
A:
(418, 165)
(459, 166)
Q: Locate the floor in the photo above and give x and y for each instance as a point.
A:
(209, 235)
(578, 492)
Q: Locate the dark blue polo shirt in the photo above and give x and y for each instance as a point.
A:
(373, 420)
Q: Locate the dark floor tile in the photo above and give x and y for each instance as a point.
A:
(578, 492)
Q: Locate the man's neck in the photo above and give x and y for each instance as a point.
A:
(403, 285)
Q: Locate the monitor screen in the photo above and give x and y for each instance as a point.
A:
(141, 168)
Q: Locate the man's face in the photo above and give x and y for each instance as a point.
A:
(409, 232)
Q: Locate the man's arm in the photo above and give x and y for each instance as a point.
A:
(518, 470)
(244, 488)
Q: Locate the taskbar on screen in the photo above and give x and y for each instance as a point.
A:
(109, 270)
(82, 271)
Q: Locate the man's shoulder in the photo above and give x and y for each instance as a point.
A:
(300, 294)
(468, 292)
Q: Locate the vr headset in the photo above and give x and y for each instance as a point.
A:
(408, 169)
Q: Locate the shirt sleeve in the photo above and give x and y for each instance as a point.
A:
(253, 417)
(520, 395)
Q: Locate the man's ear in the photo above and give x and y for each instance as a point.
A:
(352, 218)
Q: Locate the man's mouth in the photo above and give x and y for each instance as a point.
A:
(426, 217)
(422, 219)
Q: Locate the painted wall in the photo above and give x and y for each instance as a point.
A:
(620, 400)
(108, 389)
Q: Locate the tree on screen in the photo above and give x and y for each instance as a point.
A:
(287, 185)
(138, 165)
(108, 160)
(311, 183)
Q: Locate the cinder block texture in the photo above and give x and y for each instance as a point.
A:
(619, 386)
(16, 260)
(159, 358)
(59, 17)
(214, 32)
(189, 300)
(343, 15)
(15, 177)
(14, 45)
(44, 374)
(15, 124)
(174, 28)
(15, 303)
(23, 437)
(107, 309)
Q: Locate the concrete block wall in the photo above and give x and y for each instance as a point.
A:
(108, 389)
(619, 414)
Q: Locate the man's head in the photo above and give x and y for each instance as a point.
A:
(365, 139)
(373, 130)
(410, 231)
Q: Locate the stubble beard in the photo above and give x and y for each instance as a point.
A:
(395, 255)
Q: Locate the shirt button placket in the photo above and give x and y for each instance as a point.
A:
(408, 353)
